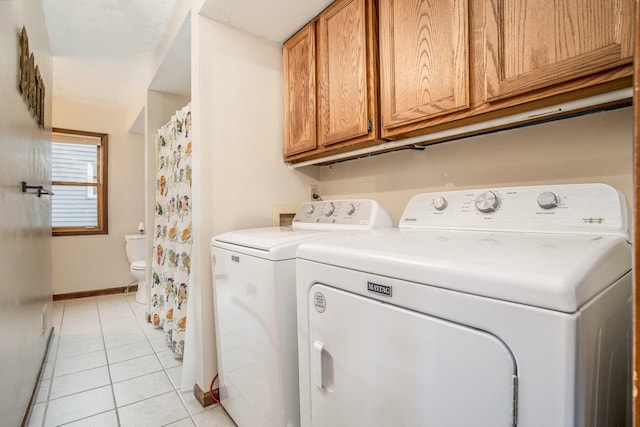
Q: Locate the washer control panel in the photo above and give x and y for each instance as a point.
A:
(571, 208)
(341, 214)
(487, 202)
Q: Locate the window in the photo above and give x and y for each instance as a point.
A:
(79, 182)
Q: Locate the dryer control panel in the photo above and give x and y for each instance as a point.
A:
(571, 208)
(341, 214)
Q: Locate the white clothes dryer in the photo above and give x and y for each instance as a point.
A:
(486, 308)
(255, 308)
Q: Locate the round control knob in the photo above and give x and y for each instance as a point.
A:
(351, 210)
(487, 202)
(331, 209)
(311, 209)
(440, 203)
(547, 200)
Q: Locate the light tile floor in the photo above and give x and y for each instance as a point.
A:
(108, 367)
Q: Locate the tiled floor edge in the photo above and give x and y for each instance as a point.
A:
(36, 386)
(199, 409)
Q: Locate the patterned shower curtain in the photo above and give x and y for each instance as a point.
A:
(171, 266)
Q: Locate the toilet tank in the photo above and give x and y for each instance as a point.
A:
(135, 245)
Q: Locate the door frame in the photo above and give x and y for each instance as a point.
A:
(636, 217)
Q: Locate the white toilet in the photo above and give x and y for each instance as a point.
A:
(135, 245)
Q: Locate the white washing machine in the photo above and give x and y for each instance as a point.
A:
(486, 308)
(255, 308)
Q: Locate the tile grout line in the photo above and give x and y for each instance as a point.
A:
(53, 368)
(148, 341)
(83, 418)
(164, 369)
(106, 356)
(144, 327)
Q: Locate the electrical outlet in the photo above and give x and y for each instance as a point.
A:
(313, 189)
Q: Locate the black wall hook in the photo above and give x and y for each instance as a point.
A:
(40, 189)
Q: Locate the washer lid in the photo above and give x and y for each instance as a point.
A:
(275, 243)
(553, 271)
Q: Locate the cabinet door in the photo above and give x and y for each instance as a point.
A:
(534, 44)
(424, 59)
(299, 63)
(347, 106)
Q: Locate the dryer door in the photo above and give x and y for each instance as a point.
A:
(375, 364)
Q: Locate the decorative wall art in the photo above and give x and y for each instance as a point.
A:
(30, 82)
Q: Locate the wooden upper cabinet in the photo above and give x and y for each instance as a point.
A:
(424, 60)
(347, 66)
(393, 69)
(535, 44)
(299, 69)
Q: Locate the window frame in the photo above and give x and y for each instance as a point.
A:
(101, 186)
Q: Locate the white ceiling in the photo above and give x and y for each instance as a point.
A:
(272, 19)
(103, 49)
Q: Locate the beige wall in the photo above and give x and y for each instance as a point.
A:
(25, 220)
(82, 263)
(238, 169)
(592, 148)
